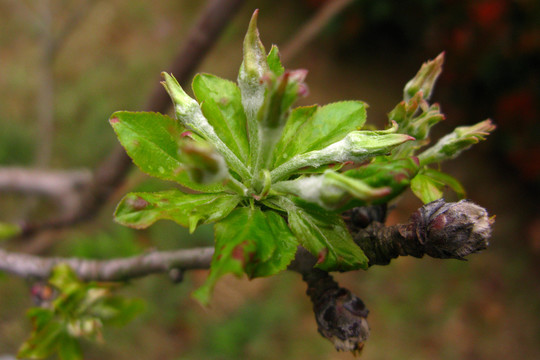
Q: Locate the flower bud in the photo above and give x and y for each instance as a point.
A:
(453, 144)
(425, 79)
(452, 230)
(185, 107)
(255, 64)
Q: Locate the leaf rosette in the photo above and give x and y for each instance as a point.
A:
(273, 177)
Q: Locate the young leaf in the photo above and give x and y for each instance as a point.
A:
(394, 174)
(8, 230)
(44, 341)
(447, 180)
(356, 146)
(140, 210)
(69, 348)
(116, 310)
(325, 235)
(425, 79)
(64, 279)
(426, 188)
(297, 118)
(221, 104)
(328, 125)
(459, 140)
(280, 94)
(249, 241)
(285, 247)
(274, 61)
(429, 185)
(254, 67)
(190, 115)
(152, 141)
(202, 162)
(331, 190)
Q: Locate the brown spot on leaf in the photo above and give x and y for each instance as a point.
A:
(114, 120)
(138, 204)
(321, 257)
(239, 253)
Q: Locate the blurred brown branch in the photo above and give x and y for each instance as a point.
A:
(313, 27)
(65, 187)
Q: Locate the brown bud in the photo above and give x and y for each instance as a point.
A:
(342, 318)
(452, 230)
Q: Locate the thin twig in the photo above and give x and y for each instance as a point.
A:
(36, 267)
(71, 24)
(313, 27)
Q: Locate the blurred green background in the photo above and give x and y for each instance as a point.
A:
(486, 308)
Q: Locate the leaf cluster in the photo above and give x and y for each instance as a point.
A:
(273, 177)
(73, 310)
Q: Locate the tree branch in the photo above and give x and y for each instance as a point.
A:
(438, 229)
(37, 267)
(65, 187)
(313, 27)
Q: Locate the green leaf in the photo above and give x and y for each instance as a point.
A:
(274, 61)
(356, 146)
(328, 125)
(117, 310)
(426, 188)
(285, 247)
(64, 279)
(202, 162)
(140, 210)
(281, 93)
(297, 118)
(459, 140)
(8, 230)
(78, 311)
(249, 241)
(43, 342)
(152, 141)
(446, 180)
(254, 67)
(325, 235)
(69, 348)
(425, 79)
(189, 113)
(395, 174)
(222, 106)
(331, 190)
